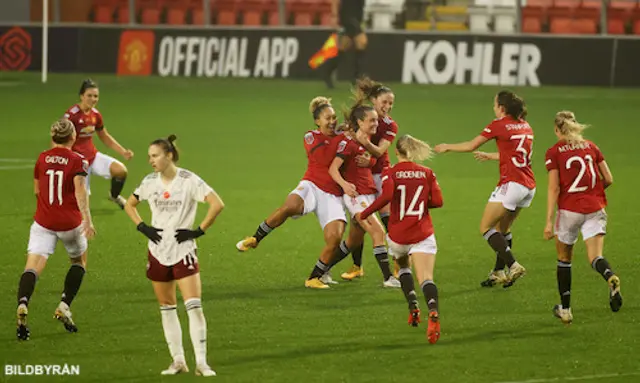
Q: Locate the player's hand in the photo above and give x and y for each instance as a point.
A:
(363, 160)
(482, 156)
(358, 217)
(442, 148)
(128, 154)
(88, 230)
(548, 231)
(150, 232)
(350, 189)
(362, 137)
(183, 235)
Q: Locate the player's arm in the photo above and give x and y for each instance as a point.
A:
(605, 173)
(113, 144)
(553, 191)
(435, 195)
(483, 156)
(383, 200)
(132, 211)
(375, 150)
(462, 147)
(334, 171)
(82, 197)
(215, 208)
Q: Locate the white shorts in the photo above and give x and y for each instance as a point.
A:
(101, 166)
(42, 241)
(327, 207)
(377, 179)
(569, 225)
(358, 204)
(513, 195)
(427, 246)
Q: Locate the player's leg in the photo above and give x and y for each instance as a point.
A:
(405, 276)
(593, 232)
(504, 200)
(76, 245)
(356, 242)
(166, 295)
(191, 290)
(333, 232)
(567, 229)
(299, 202)
(108, 167)
(354, 239)
(424, 260)
(374, 228)
(42, 243)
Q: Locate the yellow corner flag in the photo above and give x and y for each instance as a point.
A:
(328, 50)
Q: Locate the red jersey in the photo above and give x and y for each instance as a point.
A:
(387, 129)
(86, 124)
(320, 153)
(412, 189)
(515, 143)
(581, 188)
(57, 207)
(348, 149)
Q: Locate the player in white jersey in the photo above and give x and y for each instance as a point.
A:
(173, 194)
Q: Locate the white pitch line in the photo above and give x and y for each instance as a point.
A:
(573, 378)
(18, 160)
(16, 167)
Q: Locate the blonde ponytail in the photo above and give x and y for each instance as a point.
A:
(569, 127)
(413, 149)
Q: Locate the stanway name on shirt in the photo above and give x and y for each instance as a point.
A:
(444, 62)
(226, 56)
(411, 174)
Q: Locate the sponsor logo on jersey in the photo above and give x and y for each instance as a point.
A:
(444, 62)
(166, 195)
(202, 56)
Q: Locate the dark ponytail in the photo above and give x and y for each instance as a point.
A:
(357, 113)
(168, 146)
(86, 85)
(513, 105)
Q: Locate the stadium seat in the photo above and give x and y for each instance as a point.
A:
(635, 21)
(177, 11)
(150, 11)
(303, 12)
(104, 10)
(273, 13)
(226, 11)
(533, 18)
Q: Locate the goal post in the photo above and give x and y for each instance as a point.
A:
(45, 40)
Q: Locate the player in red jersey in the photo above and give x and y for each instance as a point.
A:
(88, 120)
(359, 187)
(412, 190)
(517, 185)
(316, 193)
(62, 213)
(578, 175)
(382, 99)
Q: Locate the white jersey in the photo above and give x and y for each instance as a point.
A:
(173, 206)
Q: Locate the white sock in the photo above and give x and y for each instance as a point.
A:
(197, 329)
(172, 332)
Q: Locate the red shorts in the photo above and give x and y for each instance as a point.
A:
(158, 272)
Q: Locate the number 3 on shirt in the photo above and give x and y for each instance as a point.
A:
(526, 155)
(411, 211)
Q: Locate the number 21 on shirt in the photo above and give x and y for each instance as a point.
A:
(525, 146)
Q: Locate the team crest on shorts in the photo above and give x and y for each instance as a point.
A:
(363, 204)
(301, 188)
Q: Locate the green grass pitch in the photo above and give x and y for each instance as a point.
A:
(245, 138)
